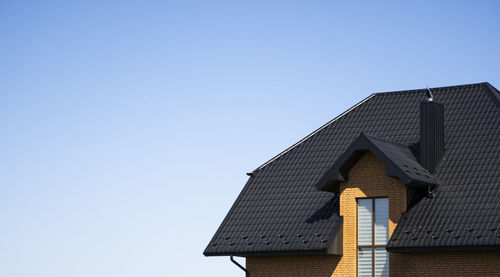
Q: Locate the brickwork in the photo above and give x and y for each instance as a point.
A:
(368, 178)
(290, 266)
(473, 263)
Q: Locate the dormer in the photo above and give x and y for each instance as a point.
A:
(398, 158)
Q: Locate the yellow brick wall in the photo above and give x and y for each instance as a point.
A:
(444, 264)
(471, 263)
(368, 179)
(284, 266)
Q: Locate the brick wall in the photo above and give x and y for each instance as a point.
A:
(368, 178)
(284, 266)
(471, 263)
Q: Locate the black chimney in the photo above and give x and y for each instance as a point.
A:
(431, 133)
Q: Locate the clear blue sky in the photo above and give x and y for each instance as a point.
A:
(127, 127)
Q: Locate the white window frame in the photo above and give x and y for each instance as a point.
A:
(373, 246)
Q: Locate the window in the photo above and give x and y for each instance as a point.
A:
(373, 233)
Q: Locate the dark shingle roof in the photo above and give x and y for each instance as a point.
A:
(280, 203)
(398, 158)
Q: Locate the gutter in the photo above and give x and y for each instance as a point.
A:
(239, 265)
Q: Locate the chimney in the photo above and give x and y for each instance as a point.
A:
(431, 133)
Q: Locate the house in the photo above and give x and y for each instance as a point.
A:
(404, 183)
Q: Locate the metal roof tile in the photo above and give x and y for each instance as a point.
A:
(281, 196)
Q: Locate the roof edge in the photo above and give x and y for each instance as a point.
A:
(325, 250)
(433, 88)
(421, 249)
(272, 253)
(228, 215)
(493, 91)
(314, 132)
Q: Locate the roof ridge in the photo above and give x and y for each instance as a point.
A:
(434, 88)
(480, 84)
(314, 132)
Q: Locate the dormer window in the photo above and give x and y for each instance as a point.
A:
(373, 233)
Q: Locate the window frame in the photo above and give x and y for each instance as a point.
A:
(373, 246)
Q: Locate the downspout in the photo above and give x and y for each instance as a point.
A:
(240, 266)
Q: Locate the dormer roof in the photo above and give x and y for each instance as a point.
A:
(397, 157)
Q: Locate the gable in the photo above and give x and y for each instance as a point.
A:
(368, 179)
(397, 158)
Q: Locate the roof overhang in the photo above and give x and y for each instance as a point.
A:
(333, 246)
(270, 253)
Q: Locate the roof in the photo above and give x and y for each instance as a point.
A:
(398, 158)
(280, 211)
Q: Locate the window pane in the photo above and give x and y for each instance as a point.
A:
(365, 262)
(381, 220)
(365, 221)
(381, 262)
